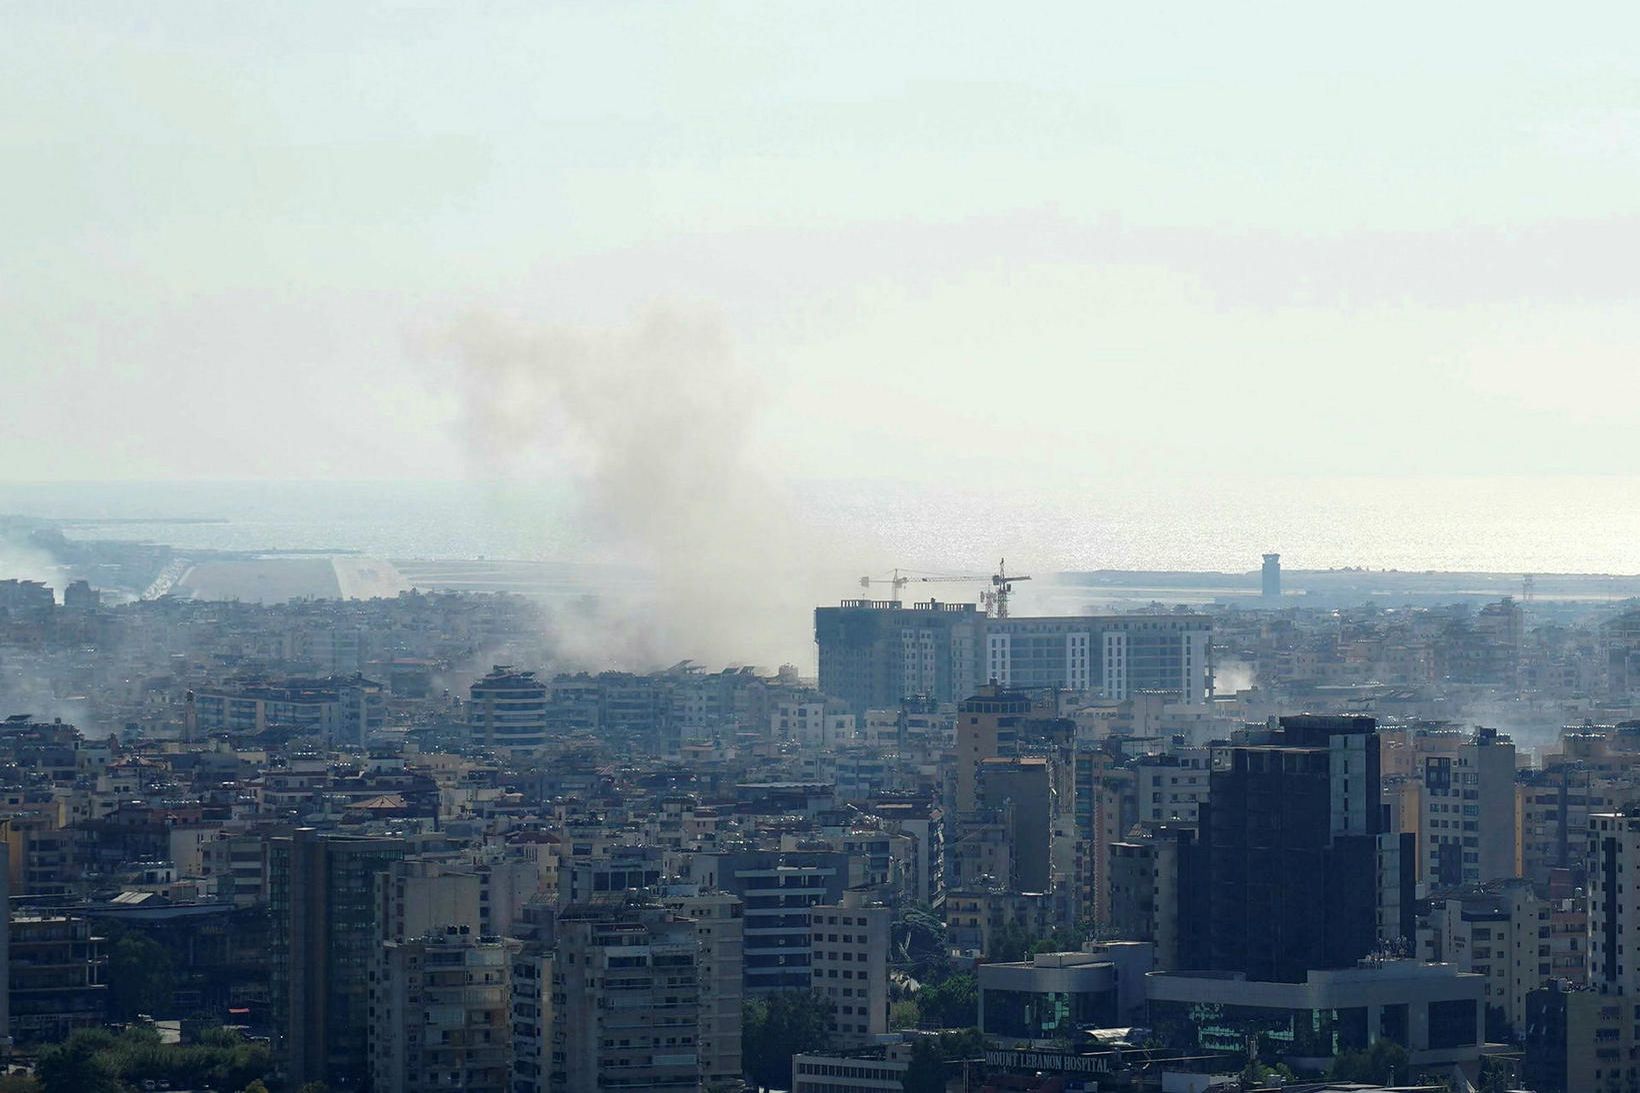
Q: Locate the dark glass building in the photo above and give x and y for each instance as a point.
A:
(1293, 846)
(321, 894)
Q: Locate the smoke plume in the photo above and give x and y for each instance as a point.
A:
(650, 427)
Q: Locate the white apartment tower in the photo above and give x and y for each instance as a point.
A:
(1468, 813)
(1614, 902)
(850, 941)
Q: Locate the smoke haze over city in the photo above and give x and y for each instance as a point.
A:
(747, 547)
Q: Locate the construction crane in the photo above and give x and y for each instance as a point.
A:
(995, 600)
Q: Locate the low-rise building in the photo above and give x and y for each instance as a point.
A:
(1435, 1011)
(1052, 995)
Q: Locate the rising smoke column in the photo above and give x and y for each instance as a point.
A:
(650, 425)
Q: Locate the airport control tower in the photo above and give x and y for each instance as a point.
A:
(1272, 577)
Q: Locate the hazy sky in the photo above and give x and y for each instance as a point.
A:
(949, 240)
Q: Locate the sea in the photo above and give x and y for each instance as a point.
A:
(1551, 524)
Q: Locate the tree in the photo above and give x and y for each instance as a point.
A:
(925, 1072)
(779, 1026)
(80, 1064)
(141, 977)
(1384, 1063)
(932, 1056)
(258, 1086)
(953, 1003)
(904, 1014)
(19, 1083)
(1008, 944)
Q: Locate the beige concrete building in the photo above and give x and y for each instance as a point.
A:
(441, 1015)
(719, 920)
(631, 999)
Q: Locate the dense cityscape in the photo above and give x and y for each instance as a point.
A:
(382, 844)
(741, 546)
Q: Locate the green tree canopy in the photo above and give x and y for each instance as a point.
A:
(80, 1064)
(141, 978)
(951, 1003)
(778, 1026)
(1384, 1063)
(99, 1062)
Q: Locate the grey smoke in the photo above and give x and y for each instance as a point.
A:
(650, 426)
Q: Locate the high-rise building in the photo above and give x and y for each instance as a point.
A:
(508, 710)
(5, 948)
(1154, 889)
(873, 653)
(1502, 931)
(850, 940)
(628, 1013)
(420, 896)
(440, 1015)
(533, 962)
(1468, 813)
(779, 887)
(322, 897)
(1020, 792)
(720, 927)
(1170, 787)
(1584, 1041)
(987, 727)
(1614, 856)
(1300, 872)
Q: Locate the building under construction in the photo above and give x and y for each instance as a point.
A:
(873, 653)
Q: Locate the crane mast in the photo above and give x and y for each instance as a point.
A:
(995, 598)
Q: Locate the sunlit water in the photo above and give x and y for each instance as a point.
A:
(1543, 525)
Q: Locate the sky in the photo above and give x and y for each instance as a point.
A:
(941, 241)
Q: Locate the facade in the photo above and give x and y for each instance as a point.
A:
(626, 1014)
(1433, 1010)
(880, 1071)
(1552, 806)
(531, 982)
(719, 920)
(1614, 853)
(1468, 823)
(987, 728)
(1504, 933)
(873, 653)
(1299, 873)
(57, 977)
(778, 889)
(1579, 1041)
(440, 1015)
(339, 709)
(1020, 791)
(323, 900)
(1170, 787)
(850, 944)
(817, 725)
(508, 711)
(1586, 1040)
(1155, 887)
(420, 896)
(1053, 995)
